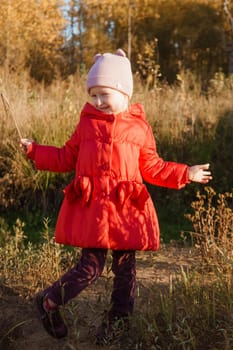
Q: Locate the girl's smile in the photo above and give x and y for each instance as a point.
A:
(108, 100)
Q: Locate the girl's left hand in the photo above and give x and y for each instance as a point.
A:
(200, 173)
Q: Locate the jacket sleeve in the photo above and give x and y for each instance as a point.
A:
(156, 171)
(56, 159)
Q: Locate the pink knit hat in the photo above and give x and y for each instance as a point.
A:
(111, 70)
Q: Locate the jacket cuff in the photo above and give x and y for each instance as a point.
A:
(31, 151)
(188, 181)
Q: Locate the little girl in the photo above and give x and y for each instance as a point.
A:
(107, 206)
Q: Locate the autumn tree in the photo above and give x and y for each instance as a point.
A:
(53, 36)
(31, 36)
(97, 33)
(73, 48)
(228, 37)
(188, 34)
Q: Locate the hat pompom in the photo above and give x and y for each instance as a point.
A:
(97, 56)
(120, 52)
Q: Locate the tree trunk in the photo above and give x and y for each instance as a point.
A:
(230, 45)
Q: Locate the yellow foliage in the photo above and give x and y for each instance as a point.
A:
(189, 32)
(27, 26)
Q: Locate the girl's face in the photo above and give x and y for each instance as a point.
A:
(108, 100)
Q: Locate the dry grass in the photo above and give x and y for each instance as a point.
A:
(36, 265)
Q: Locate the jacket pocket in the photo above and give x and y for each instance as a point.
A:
(79, 189)
(135, 192)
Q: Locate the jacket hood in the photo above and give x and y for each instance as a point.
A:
(135, 110)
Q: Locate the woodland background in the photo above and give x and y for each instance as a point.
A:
(55, 38)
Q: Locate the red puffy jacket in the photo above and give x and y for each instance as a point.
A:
(107, 205)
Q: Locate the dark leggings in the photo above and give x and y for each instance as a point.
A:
(89, 268)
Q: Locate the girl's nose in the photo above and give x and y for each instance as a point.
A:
(98, 101)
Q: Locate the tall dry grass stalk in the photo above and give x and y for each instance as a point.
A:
(212, 220)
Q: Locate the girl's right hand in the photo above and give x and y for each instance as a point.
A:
(25, 143)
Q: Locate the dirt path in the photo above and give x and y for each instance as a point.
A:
(21, 329)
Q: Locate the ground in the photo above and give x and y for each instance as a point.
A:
(20, 327)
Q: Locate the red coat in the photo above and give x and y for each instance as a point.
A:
(107, 205)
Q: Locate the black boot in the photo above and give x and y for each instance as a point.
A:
(52, 320)
(112, 329)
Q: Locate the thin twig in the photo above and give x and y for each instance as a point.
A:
(8, 112)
